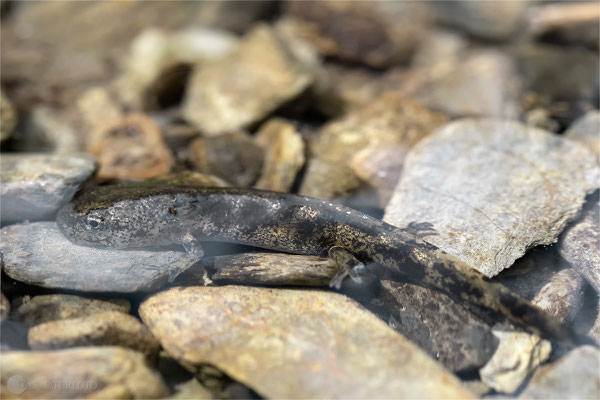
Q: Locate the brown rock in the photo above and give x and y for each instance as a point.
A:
(8, 117)
(235, 157)
(374, 33)
(111, 328)
(294, 343)
(54, 307)
(79, 372)
(284, 155)
(327, 180)
(4, 306)
(390, 124)
(264, 269)
(242, 88)
(131, 149)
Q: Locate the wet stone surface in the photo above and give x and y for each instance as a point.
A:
(99, 372)
(580, 243)
(110, 328)
(54, 307)
(445, 330)
(293, 343)
(34, 186)
(84, 268)
(470, 181)
(576, 375)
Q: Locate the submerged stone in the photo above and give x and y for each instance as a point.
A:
(492, 189)
(39, 254)
(34, 186)
(294, 343)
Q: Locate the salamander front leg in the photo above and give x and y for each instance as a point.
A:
(349, 266)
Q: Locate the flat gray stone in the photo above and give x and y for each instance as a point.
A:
(576, 375)
(445, 330)
(294, 343)
(492, 189)
(34, 186)
(39, 254)
(580, 243)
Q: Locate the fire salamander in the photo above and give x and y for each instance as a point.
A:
(126, 216)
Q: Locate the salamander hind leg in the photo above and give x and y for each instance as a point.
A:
(349, 266)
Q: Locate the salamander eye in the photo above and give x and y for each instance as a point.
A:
(94, 222)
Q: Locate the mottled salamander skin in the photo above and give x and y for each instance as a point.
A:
(129, 216)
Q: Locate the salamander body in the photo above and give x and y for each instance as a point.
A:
(128, 216)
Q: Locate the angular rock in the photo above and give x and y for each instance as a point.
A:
(378, 34)
(154, 55)
(445, 330)
(191, 389)
(580, 243)
(572, 22)
(390, 124)
(259, 338)
(34, 186)
(8, 117)
(492, 189)
(55, 307)
(110, 328)
(576, 375)
(284, 155)
(327, 180)
(486, 20)
(39, 254)
(263, 269)
(98, 372)
(235, 157)
(242, 88)
(521, 353)
(131, 149)
(97, 110)
(585, 130)
(186, 178)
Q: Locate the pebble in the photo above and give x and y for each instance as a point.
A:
(492, 189)
(156, 54)
(573, 22)
(8, 117)
(30, 253)
(328, 179)
(234, 157)
(576, 375)
(48, 129)
(521, 353)
(585, 129)
(110, 328)
(55, 307)
(390, 125)
(580, 243)
(286, 343)
(243, 87)
(191, 389)
(34, 186)
(284, 155)
(486, 20)
(96, 372)
(133, 148)
(263, 269)
(377, 34)
(445, 330)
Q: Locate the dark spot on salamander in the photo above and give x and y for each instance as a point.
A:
(172, 211)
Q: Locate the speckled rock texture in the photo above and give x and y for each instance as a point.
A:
(492, 189)
(34, 186)
(243, 87)
(95, 372)
(110, 328)
(54, 307)
(294, 343)
(39, 254)
(580, 243)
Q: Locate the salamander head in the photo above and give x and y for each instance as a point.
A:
(92, 219)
